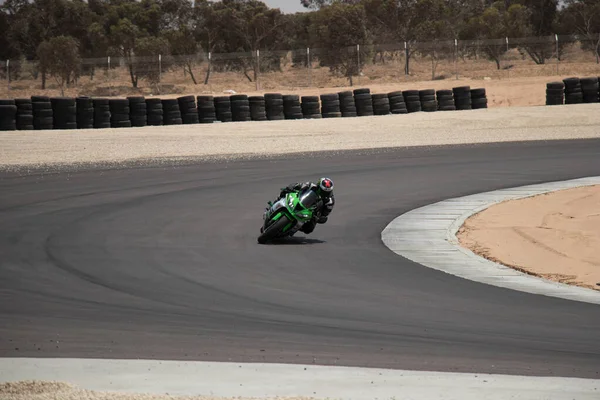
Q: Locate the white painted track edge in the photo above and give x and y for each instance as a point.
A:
(442, 251)
(257, 380)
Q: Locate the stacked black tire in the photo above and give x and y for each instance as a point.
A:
(64, 112)
(381, 104)
(223, 109)
(240, 108)
(171, 112)
(445, 100)
(589, 87)
(573, 91)
(274, 106)
(154, 112)
(138, 111)
(478, 99)
(555, 93)
(462, 97)
(258, 110)
(24, 114)
(101, 113)
(311, 107)
(412, 100)
(206, 109)
(188, 110)
(8, 115)
(330, 105)
(119, 113)
(397, 104)
(84, 108)
(347, 104)
(428, 101)
(291, 107)
(364, 102)
(42, 113)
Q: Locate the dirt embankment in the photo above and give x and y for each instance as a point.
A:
(555, 236)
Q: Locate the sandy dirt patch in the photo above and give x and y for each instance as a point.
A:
(555, 236)
(237, 139)
(41, 390)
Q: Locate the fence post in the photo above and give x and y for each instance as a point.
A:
(508, 69)
(257, 85)
(456, 57)
(159, 68)
(358, 61)
(557, 57)
(405, 59)
(8, 74)
(308, 66)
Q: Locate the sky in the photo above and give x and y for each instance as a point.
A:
(286, 6)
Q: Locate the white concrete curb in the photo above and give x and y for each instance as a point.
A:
(427, 235)
(230, 380)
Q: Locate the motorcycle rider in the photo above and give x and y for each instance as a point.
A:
(323, 188)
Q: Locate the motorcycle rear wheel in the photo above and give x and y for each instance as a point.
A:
(273, 230)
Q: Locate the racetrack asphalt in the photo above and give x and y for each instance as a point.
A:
(163, 263)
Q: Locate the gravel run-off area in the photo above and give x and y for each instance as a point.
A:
(555, 235)
(260, 139)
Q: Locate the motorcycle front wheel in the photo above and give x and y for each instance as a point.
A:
(273, 230)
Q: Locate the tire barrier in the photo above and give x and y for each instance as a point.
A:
(85, 112)
(330, 105)
(590, 88)
(171, 112)
(138, 111)
(206, 109)
(119, 113)
(445, 100)
(381, 104)
(347, 104)
(478, 99)
(274, 106)
(462, 97)
(24, 114)
(8, 115)
(101, 113)
(223, 108)
(428, 100)
(364, 102)
(573, 90)
(188, 110)
(258, 110)
(64, 113)
(397, 104)
(42, 112)
(291, 107)
(311, 107)
(240, 108)
(154, 112)
(555, 93)
(412, 100)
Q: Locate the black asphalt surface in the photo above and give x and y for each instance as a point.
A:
(162, 262)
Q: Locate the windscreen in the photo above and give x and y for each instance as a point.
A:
(308, 198)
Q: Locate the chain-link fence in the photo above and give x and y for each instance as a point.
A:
(260, 70)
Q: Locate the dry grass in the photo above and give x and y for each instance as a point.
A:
(518, 74)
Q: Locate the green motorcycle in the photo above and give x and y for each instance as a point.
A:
(287, 215)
